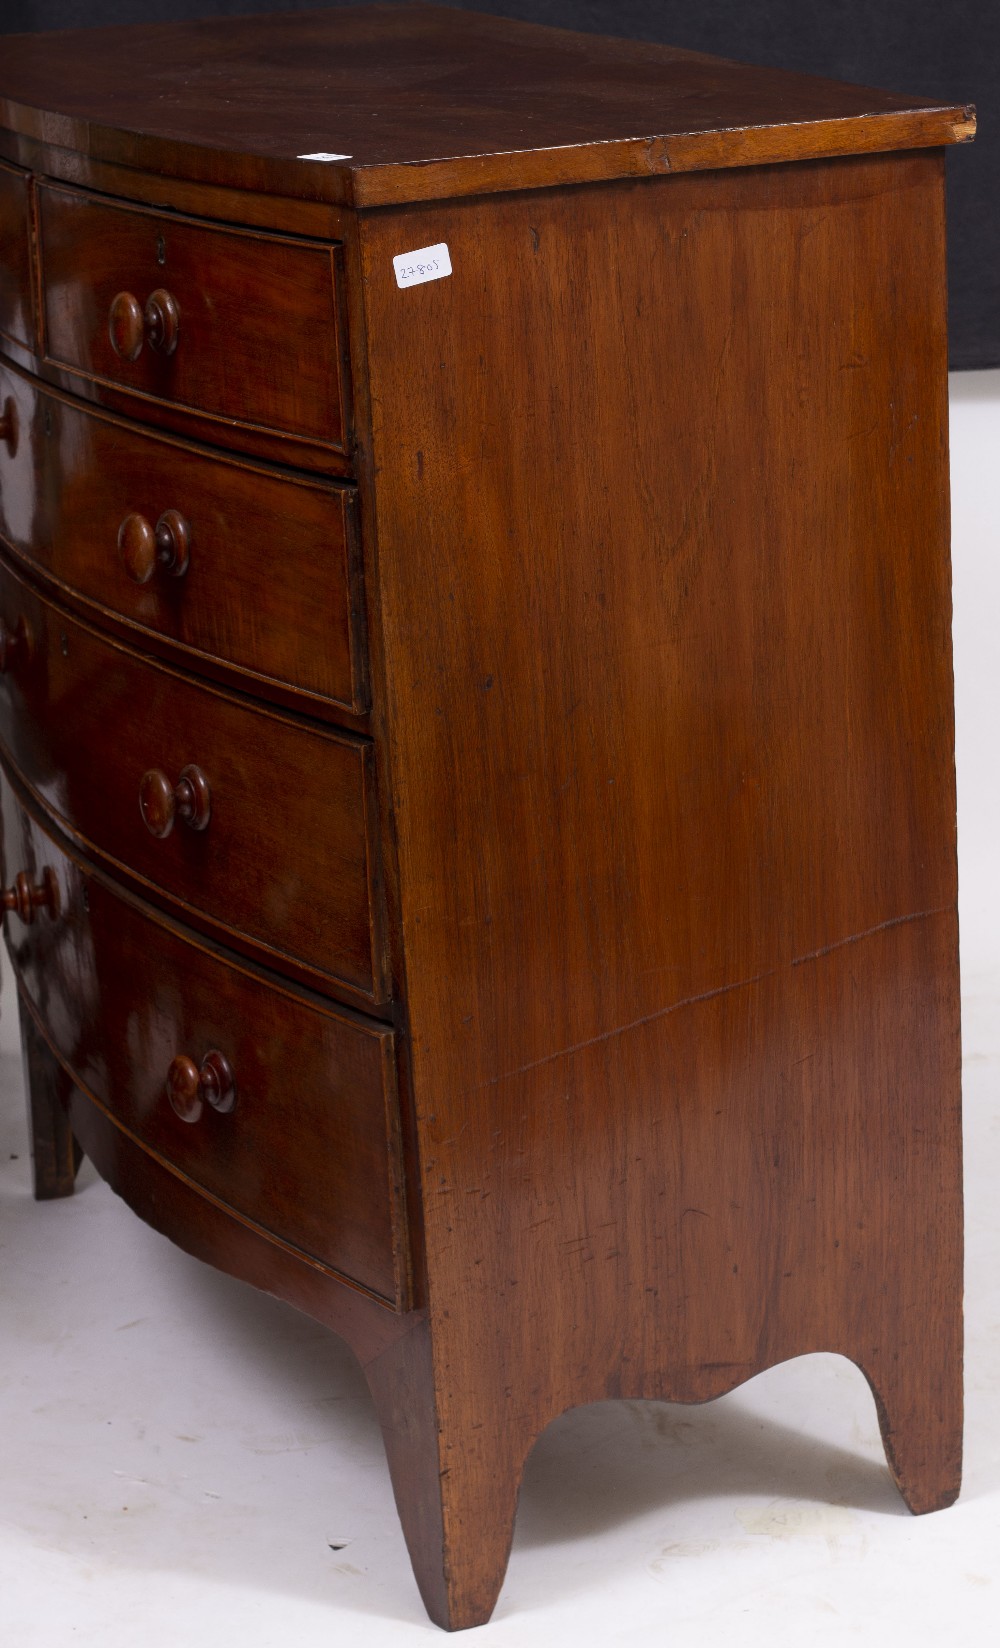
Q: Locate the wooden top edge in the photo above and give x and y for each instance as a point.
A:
(420, 102)
(655, 156)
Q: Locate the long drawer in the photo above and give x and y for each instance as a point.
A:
(252, 825)
(234, 563)
(306, 1142)
(239, 325)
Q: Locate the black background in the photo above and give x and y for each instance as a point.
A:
(947, 50)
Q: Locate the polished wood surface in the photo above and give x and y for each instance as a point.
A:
(272, 580)
(162, 803)
(679, 631)
(16, 315)
(423, 102)
(191, 1086)
(285, 865)
(145, 549)
(122, 995)
(248, 320)
(25, 898)
(131, 326)
(558, 995)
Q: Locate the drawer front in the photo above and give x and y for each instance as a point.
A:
(277, 852)
(310, 1150)
(261, 572)
(253, 335)
(15, 257)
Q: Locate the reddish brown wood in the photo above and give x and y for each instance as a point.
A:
(24, 898)
(15, 643)
(162, 803)
(162, 321)
(424, 102)
(16, 318)
(273, 583)
(258, 343)
(131, 324)
(190, 1086)
(126, 326)
(145, 549)
(119, 993)
(679, 629)
(235, 438)
(654, 501)
(287, 868)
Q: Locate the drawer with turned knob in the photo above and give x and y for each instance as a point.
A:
(626, 845)
(186, 312)
(259, 827)
(25, 898)
(186, 549)
(187, 1053)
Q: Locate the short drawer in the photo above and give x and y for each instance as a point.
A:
(237, 325)
(15, 257)
(240, 564)
(309, 1149)
(264, 824)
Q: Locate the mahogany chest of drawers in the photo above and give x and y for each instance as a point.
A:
(478, 804)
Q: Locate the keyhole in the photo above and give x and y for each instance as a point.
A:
(161, 249)
(64, 644)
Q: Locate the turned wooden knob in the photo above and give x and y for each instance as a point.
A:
(24, 899)
(8, 426)
(161, 802)
(189, 1085)
(14, 643)
(130, 325)
(143, 548)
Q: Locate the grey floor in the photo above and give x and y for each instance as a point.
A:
(185, 1461)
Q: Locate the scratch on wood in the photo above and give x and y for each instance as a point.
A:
(706, 995)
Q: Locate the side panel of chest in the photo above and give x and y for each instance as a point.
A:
(664, 584)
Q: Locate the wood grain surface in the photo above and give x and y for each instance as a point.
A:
(419, 102)
(258, 340)
(311, 1150)
(645, 850)
(273, 587)
(16, 313)
(288, 864)
(661, 508)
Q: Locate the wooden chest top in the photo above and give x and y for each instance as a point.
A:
(379, 105)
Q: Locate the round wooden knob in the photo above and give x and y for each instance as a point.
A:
(190, 1085)
(143, 548)
(24, 899)
(8, 426)
(162, 319)
(14, 643)
(161, 802)
(126, 326)
(130, 325)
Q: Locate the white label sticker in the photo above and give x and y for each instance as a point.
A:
(426, 263)
(323, 156)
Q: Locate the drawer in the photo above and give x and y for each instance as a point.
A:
(270, 581)
(278, 854)
(310, 1151)
(236, 325)
(15, 257)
